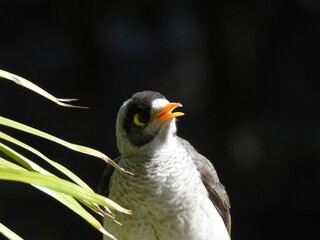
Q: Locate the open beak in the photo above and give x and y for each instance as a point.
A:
(166, 113)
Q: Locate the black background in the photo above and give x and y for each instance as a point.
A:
(245, 71)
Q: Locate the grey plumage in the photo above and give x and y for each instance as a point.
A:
(173, 185)
(210, 180)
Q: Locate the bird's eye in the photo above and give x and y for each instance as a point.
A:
(140, 119)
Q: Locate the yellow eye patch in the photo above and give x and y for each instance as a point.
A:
(136, 120)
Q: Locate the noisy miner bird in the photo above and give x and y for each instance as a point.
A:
(174, 192)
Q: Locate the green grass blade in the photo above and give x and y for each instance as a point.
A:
(6, 163)
(66, 200)
(59, 185)
(72, 204)
(28, 164)
(31, 86)
(66, 192)
(62, 192)
(86, 150)
(58, 166)
(8, 233)
(94, 207)
(23, 161)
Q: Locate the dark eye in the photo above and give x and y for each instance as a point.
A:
(141, 118)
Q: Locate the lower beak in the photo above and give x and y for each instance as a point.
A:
(166, 112)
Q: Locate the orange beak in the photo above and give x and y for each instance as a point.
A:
(166, 113)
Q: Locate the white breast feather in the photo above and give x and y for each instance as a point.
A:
(167, 198)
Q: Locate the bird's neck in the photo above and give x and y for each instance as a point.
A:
(164, 143)
(162, 149)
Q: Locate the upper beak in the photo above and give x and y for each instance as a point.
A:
(166, 112)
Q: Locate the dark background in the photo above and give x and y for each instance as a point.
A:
(245, 71)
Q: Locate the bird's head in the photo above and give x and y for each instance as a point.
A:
(145, 122)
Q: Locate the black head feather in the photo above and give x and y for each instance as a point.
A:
(141, 103)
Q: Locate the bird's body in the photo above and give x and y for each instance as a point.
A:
(166, 194)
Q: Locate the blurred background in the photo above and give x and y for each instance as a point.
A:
(245, 71)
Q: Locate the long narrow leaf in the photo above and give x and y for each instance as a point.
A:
(22, 160)
(8, 233)
(86, 150)
(28, 164)
(68, 201)
(59, 185)
(64, 199)
(58, 166)
(72, 204)
(8, 164)
(31, 86)
(64, 191)
(64, 170)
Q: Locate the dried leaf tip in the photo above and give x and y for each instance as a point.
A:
(61, 102)
(67, 99)
(15, 79)
(126, 211)
(101, 229)
(112, 163)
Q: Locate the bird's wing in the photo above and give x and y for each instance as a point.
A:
(210, 180)
(104, 182)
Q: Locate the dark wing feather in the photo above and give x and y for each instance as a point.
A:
(104, 182)
(210, 180)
